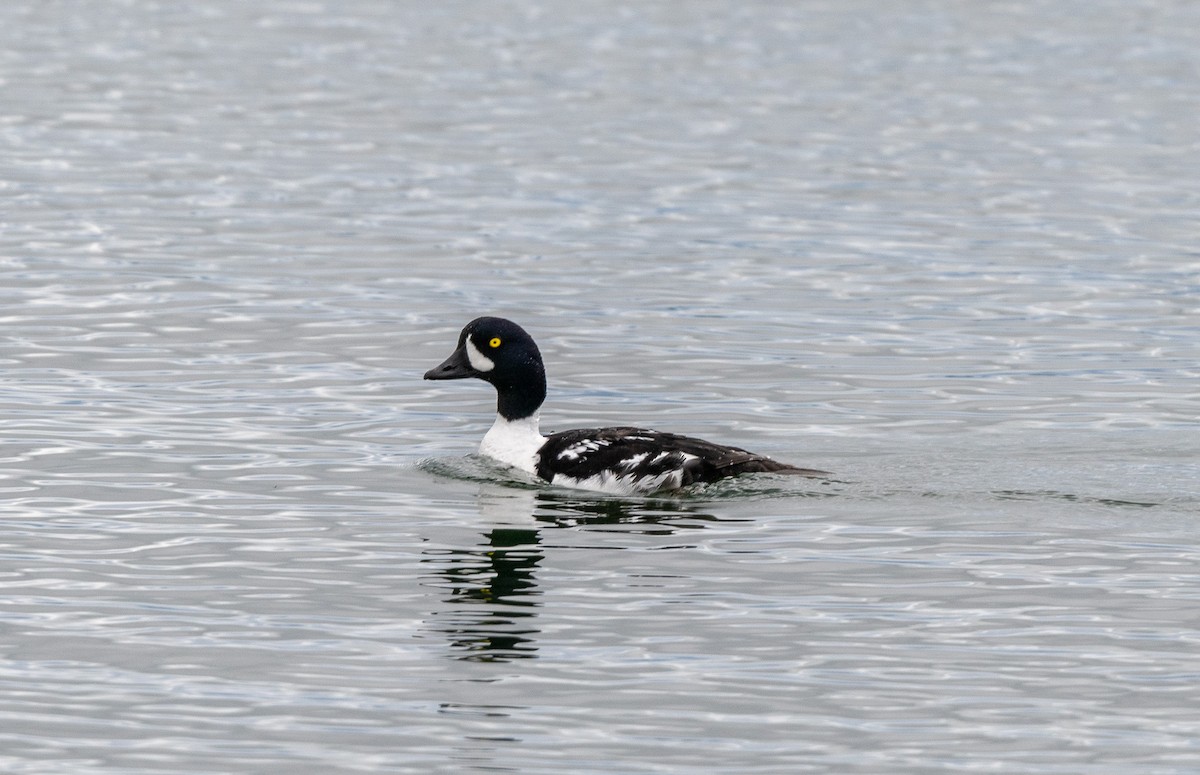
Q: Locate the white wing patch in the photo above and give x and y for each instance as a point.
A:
(628, 464)
(581, 448)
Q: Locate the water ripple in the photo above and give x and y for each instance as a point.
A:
(240, 533)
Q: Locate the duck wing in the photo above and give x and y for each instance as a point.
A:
(640, 460)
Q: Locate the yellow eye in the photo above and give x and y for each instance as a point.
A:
(494, 343)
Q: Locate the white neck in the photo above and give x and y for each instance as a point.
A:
(514, 442)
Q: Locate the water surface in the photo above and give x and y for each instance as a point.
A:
(945, 251)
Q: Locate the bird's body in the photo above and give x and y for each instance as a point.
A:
(618, 460)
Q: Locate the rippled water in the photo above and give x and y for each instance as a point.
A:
(945, 250)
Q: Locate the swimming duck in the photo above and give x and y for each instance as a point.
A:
(615, 460)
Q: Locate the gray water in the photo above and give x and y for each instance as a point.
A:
(946, 250)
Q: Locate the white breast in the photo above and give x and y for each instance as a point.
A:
(514, 442)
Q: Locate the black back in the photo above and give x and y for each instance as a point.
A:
(612, 448)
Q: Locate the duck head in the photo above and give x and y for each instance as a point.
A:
(501, 353)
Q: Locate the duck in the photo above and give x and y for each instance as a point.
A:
(618, 460)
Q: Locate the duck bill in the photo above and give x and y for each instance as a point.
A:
(457, 366)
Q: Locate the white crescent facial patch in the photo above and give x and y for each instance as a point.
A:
(479, 361)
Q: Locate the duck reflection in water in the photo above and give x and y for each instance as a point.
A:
(493, 596)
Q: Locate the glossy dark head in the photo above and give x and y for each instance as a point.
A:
(499, 352)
